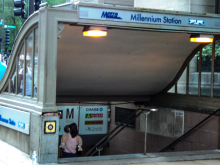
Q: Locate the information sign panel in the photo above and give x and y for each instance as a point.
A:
(15, 119)
(93, 120)
(68, 115)
(118, 15)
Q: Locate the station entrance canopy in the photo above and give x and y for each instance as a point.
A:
(141, 54)
(143, 51)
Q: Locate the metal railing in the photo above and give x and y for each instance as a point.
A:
(171, 145)
(98, 147)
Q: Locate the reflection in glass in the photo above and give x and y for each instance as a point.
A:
(181, 84)
(20, 71)
(206, 70)
(35, 61)
(28, 63)
(6, 89)
(172, 90)
(216, 90)
(194, 75)
(13, 82)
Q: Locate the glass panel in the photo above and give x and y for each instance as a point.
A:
(181, 83)
(20, 71)
(206, 70)
(172, 90)
(28, 69)
(6, 89)
(194, 75)
(35, 62)
(216, 90)
(13, 82)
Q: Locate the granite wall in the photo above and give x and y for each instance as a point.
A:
(164, 127)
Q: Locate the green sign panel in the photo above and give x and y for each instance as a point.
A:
(9, 26)
(88, 116)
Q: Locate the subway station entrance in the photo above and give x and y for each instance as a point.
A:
(92, 81)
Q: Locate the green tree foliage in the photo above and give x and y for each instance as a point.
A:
(207, 50)
(10, 19)
(54, 2)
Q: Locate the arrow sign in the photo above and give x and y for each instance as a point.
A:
(9, 26)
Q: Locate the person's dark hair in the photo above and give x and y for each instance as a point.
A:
(73, 130)
(66, 128)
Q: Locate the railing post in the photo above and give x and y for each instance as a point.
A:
(145, 137)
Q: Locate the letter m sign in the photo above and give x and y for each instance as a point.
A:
(69, 114)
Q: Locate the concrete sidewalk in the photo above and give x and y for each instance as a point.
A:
(9, 155)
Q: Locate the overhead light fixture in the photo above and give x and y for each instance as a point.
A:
(92, 31)
(201, 38)
(153, 109)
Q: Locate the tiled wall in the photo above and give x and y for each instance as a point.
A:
(131, 140)
(206, 137)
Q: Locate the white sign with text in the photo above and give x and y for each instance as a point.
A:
(93, 120)
(67, 115)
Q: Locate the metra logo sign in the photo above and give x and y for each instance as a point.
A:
(110, 15)
(196, 22)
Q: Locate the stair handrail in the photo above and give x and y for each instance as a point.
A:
(187, 133)
(106, 136)
(104, 143)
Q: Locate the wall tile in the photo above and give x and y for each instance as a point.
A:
(205, 137)
(118, 144)
(204, 147)
(132, 140)
(179, 146)
(155, 141)
(195, 136)
(214, 139)
(129, 147)
(163, 142)
(188, 137)
(214, 124)
(196, 147)
(123, 143)
(170, 140)
(141, 137)
(139, 148)
(195, 118)
(206, 124)
(149, 139)
(187, 146)
(137, 136)
(187, 119)
(112, 142)
(129, 136)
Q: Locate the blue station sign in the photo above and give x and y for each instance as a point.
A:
(94, 13)
(15, 119)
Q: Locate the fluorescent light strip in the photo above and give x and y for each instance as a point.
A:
(95, 33)
(205, 40)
